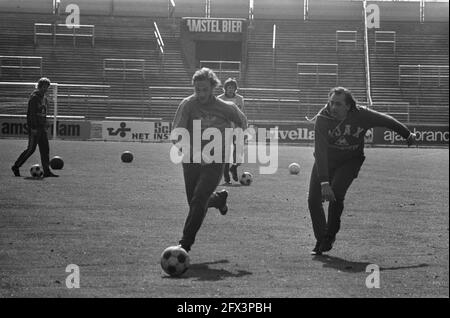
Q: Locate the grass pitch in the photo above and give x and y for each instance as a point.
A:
(114, 219)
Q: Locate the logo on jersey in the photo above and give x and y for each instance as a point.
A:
(341, 141)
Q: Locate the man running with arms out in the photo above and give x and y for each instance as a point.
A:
(339, 154)
(201, 179)
(37, 129)
(230, 87)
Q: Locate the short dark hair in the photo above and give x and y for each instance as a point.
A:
(230, 81)
(349, 99)
(206, 74)
(42, 81)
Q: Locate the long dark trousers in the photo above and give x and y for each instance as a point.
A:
(226, 170)
(341, 178)
(40, 139)
(200, 181)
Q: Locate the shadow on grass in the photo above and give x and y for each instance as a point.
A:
(203, 272)
(33, 179)
(354, 267)
(231, 185)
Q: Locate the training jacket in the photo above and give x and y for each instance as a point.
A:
(339, 141)
(37, 111)
(237, 99)
(215, 114)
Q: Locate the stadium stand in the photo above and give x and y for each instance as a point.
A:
(269, 78)
(305, 42)
(416, 44)
(83, 64)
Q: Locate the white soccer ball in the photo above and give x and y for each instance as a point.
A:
(246, 178)
(294, 168)
(36, 171)
(175, 260)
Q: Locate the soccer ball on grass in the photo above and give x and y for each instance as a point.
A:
(246, 178)
(57, 163)
(175, 260)
(36, 171)
(294, 168)
(127, 156)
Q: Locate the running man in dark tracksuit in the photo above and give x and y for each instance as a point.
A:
(339, 154)
(37, 129)
(202, 179)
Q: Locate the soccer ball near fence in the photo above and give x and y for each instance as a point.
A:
(175, 260)
(57, 163)
(246, 178)
(36, 171)
(294, 168)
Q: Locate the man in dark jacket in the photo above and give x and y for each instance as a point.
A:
(37, 129)
(340, 128)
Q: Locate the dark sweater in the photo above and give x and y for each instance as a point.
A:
(37, 111)
(339, 141)
(215, 114)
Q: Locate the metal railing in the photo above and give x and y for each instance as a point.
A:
(317, 70)
(231, 68)
(441, 71)
(399, 110)
(253, 97)
(124, 68)
(62, 96)
(20, 60)
(53, 31)
(339, 33)
(158, 37)
(393, 40)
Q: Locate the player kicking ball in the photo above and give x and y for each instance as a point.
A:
(201, 178)
(339, 154)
